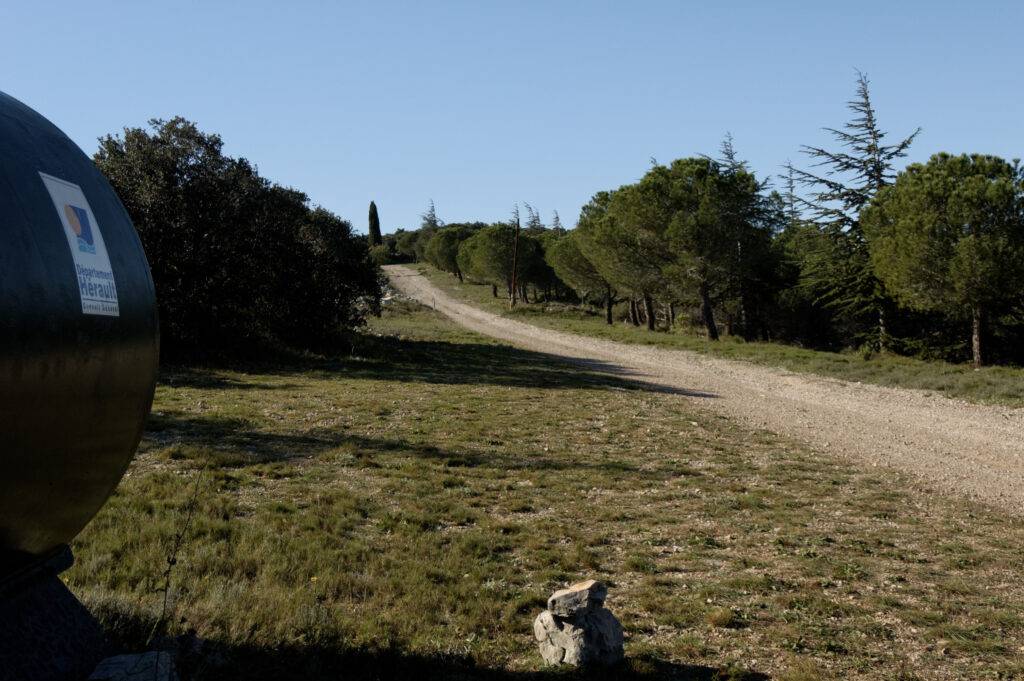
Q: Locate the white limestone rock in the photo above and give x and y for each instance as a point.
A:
(586, 634)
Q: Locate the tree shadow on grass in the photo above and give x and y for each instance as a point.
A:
(250, 445)
(320, 662)
(208, 379)
(209, 660)
(236, 443)
(389, 358)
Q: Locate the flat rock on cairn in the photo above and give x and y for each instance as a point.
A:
(577, 629)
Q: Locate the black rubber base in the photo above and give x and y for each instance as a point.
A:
(45, 633)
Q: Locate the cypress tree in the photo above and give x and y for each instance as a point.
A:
(375, 236)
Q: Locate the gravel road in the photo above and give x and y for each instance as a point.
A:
(947, 444)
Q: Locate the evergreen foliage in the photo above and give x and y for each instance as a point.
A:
(237, 260)
(836, 266)
(574, 268)
(428, 227)
(442, 249)
(374, 230)
(949, 236)
(695, 230)
(868, 258)
(486, 256)
(613, 238)
(569, 264)
(405, 244)
(556, 224)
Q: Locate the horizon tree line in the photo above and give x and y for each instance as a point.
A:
(927, 261)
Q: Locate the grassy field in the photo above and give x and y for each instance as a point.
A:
(404, 513)
(989, 385)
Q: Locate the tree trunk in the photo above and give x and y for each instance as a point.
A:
(458, 273)
(634, 316)
(750, 315)
(649, 311)
(513, 286)
(707, 312)
(883, 333)
(672, 315)
(608, 305)
(494, 290)
(976, 323)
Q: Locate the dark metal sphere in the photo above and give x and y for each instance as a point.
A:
(78, 337)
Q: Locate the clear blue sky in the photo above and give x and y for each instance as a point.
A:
(481, 104)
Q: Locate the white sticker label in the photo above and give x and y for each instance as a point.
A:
(92, 264)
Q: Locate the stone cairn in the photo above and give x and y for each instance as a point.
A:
(577, 629)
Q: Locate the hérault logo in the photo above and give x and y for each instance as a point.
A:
(78, 218)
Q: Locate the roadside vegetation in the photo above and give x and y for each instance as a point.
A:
(403, 513)
(852, 254)
(988, 385)
(240, 263)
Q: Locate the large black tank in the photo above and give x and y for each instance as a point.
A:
(78, 338)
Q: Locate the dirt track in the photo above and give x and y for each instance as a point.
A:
(952, 445)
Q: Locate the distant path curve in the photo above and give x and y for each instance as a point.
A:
(953, 445)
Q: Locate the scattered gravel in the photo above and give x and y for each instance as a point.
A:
(955, 446)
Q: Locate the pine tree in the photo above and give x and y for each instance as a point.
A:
(428, 227)
(556, 224)
(375, 236)
(572, 267)
(533, 222)
(748, 218)
(838, 267)
(949, 236)
(730, 161)
(790, 200)
(429, 219)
